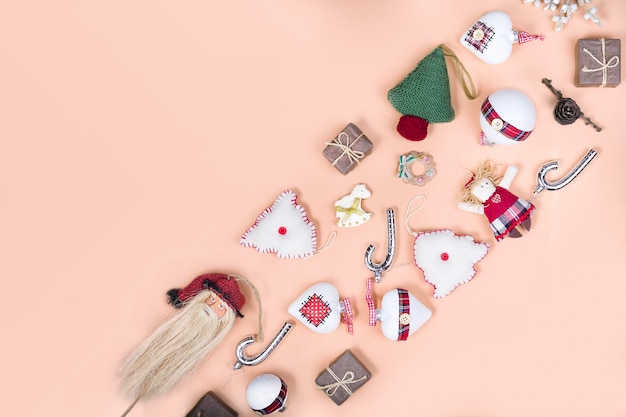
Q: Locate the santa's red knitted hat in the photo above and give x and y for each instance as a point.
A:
(223, 285)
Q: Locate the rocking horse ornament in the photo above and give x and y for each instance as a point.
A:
(348, 209)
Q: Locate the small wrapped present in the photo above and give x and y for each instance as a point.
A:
(598, 62)
(343, 377)
(211, 406)
(348, 148)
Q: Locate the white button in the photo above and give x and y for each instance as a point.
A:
(478, 35)
(405, 318)
(497, 124)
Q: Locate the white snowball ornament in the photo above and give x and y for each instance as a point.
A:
(400, 313)
(507, 117)
(267, 394)
(491, 37)
(320, 309)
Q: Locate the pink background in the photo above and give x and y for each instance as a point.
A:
(141, 138)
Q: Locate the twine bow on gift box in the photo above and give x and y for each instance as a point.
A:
(346, 149)
(604, 65)
(348, 378)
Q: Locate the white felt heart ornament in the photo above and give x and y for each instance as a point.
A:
(320, 309)
(447, 259)
(283, 229)
(491, 37)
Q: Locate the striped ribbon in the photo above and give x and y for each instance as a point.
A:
(404, 307)
(507, 129)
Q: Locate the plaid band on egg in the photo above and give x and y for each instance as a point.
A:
(479, 44)
(277, 404)
(404, 306)
(507, 129)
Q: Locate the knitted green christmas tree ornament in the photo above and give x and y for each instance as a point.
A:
(423, 96)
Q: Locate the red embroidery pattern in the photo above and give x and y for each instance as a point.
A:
(315, 310)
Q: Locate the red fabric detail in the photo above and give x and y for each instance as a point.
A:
(370, 302)
(404, 306)
(498, 203)
(315, 310)
(445, 256)
(282, 230)
(348, 315)
(508, 129)
(225, 286)
(523, 37)
(279, 402)
(412, 127)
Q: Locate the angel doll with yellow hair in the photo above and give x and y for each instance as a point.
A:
(488, 194)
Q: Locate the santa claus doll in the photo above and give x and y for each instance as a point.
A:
(208, 307)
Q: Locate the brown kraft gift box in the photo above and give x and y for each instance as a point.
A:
(598, 62)
(211, 406)
(343, 377)
(348, 148)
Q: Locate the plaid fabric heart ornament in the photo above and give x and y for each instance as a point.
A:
(491, 37)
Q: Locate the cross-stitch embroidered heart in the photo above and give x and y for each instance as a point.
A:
(320, 309)
(283, 229)
(447, 259)
(491, 37)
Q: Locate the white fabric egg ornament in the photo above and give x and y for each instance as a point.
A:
(507, 117)
(491, 37)
(400, 313)
(267, 394)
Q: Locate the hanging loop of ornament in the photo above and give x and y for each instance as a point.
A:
(243, 359)
(379, 268)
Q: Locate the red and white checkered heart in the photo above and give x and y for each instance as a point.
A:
(318, 308)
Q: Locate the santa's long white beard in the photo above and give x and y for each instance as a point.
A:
(174, 349)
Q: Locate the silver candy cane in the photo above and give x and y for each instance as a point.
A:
(378, 269)
(242, 359)
(543, 184)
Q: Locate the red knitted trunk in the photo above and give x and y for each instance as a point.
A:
(412, 127)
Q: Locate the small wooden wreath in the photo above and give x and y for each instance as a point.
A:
(406, 174)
